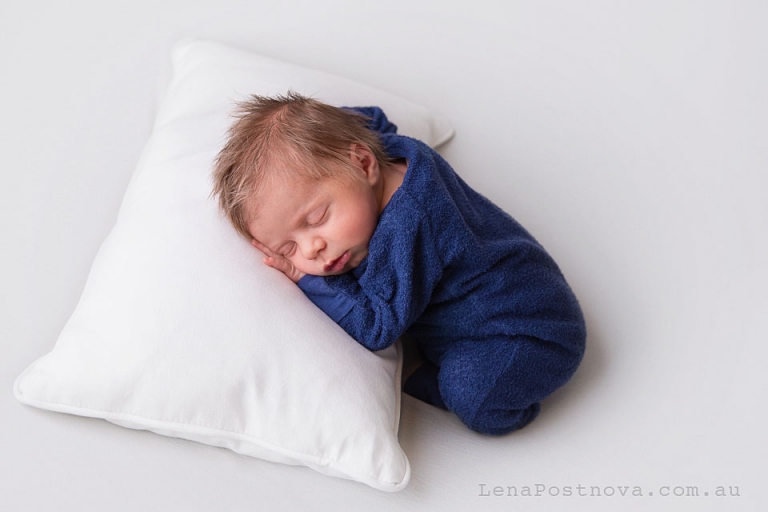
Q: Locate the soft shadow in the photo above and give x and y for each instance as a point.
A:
(590, 371)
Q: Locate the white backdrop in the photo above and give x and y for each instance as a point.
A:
(629, 137)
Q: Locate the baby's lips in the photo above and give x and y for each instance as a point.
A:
(338, 262)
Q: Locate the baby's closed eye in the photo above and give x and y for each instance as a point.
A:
(286, 250)
(317, 216)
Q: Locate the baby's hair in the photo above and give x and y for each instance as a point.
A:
(290, 135)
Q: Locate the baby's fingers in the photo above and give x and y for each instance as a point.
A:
(280, 264)
(273, 262)
(284, 266)
(260, 246)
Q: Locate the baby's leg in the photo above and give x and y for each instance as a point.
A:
(422, 384)
(495, 386)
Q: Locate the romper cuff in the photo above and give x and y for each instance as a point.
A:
(334, 303)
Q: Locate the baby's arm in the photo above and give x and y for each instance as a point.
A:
(377, 302)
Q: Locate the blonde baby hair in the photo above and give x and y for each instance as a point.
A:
(286, 135)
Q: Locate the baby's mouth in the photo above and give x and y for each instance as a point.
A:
(338, 264)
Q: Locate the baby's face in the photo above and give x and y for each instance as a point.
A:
(322, 227)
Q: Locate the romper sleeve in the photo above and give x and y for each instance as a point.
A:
(376, 305)
(378, 121)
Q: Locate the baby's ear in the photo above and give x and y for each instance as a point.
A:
(363, 158)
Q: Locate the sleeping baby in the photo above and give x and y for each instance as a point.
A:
(383, 236)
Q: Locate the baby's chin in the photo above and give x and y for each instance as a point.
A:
(339, 273)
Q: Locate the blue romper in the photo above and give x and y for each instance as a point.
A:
(493, 316)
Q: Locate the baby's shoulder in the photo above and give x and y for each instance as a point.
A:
(420, 223)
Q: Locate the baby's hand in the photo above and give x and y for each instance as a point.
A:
(278, 262)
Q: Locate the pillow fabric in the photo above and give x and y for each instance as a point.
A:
(182, 330)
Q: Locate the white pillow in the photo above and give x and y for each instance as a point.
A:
(182, 330)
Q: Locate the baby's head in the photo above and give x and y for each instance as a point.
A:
(304, 179)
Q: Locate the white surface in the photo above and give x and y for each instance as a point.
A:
(629, 137)
(182, 329)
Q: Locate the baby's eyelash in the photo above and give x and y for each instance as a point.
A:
(319, 220)
(286, 250)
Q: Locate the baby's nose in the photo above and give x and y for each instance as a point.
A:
(313, 248)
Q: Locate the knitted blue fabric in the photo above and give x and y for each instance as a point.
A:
(496, 321)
